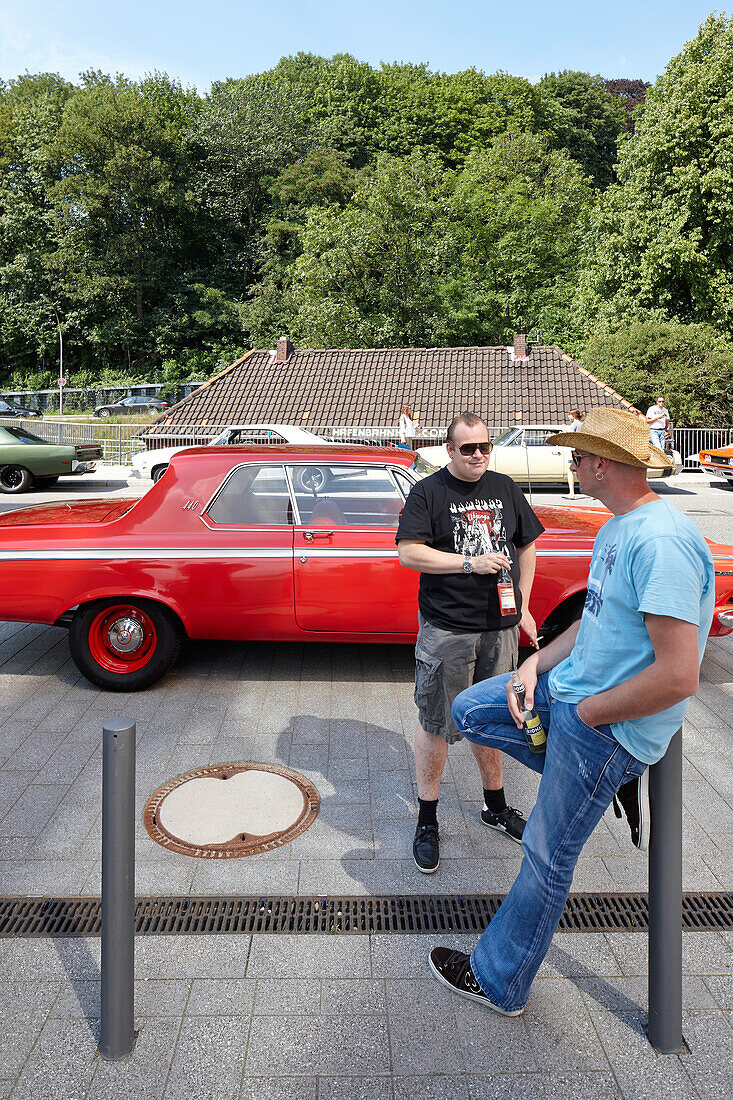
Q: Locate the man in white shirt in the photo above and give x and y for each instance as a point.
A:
(658, 419)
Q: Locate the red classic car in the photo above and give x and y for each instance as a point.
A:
(718, 461)
(274, 542)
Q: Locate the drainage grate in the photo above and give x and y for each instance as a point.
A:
(395, 914)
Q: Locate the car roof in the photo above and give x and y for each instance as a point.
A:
(325, 451)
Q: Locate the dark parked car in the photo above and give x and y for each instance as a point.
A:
(10, 408)
(132, 405)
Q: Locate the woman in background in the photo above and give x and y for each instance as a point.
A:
(576, 422)
(406, 428)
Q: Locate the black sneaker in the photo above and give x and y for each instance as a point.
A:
(426, 849)
(508, 821)
(634, 802)
(453, 968)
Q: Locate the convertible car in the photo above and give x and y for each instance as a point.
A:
(718, 462)
(523, 454)
(278, 542)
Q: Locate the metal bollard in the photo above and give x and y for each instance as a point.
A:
(665, 901)
(118, 889)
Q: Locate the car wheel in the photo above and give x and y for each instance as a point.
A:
(45, 482)
(15, 479)
(158, 472)
(310, 478)
(103, 412)
(124, 645)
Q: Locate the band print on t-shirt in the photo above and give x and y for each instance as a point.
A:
(478, 528)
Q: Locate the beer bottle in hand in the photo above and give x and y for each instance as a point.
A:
(533, 729)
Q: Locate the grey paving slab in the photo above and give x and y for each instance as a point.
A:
(546, 1086)
(352, 997)
(432, 1044)
(145, 1073)
(280, 1088)
(61, 1063)
(305, 1046)
(309, 957)
(191, 957)
(560, 1030)
(153, 997)
(721, 988)
(25, 1007)
(439, 1086)
(640, 1072)
(242, 876)
(220, 997)
(709, 1037)
(208, 1059)
(289, 996)
(350, 1088)
(351, 876)
(492, 1043)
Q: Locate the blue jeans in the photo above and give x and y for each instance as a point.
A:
(582, 768)
(657, 437)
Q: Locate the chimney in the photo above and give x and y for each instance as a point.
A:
(520, 346)
(285, 349)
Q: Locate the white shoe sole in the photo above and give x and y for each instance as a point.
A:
(502, 830)
(426, 870)
(645, 822)
(472, 996)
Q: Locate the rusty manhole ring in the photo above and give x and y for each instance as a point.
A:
(265, 807)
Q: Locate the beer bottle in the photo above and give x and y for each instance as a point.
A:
(533, 729)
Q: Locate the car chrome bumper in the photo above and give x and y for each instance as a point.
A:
(82, 467)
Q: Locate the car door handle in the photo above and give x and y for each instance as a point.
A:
(310, 535)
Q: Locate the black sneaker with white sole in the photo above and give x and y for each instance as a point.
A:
(426, 849)
(508, 821)
(453, 968)
(633, 799)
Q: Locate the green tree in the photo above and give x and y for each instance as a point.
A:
(691, 364)
(518, 213)
(586, 120)
(661, 244)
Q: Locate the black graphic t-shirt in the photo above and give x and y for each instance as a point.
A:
(473, 518)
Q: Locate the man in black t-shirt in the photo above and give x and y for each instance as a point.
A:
(470, 534)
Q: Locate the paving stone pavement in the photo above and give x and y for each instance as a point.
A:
(274, 1017)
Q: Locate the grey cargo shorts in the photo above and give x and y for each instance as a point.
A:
(447, 662)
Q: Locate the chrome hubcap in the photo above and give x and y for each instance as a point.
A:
(125, 635)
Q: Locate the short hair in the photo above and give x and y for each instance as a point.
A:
(469, 419)
(575, 412)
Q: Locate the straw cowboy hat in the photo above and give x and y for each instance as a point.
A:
(612, 433)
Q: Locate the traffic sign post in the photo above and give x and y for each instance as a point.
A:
(62, 383)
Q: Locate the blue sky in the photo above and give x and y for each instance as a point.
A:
(198, 41)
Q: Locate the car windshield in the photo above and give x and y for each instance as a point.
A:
(421, 467)
(23, 436)
(502, 439)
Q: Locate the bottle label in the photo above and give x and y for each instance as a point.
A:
(535, 730)
(507, 602)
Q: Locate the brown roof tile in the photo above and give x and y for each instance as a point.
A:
(367, 388)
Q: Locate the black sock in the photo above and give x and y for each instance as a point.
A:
(495, 801)
(428, 813)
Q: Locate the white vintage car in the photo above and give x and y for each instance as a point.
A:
(523, 454)
(153, 464)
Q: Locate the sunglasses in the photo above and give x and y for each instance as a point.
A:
(578, 456)
(468, 449)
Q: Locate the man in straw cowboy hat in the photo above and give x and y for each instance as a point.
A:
(611, 691)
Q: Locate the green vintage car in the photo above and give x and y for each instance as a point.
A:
(28, 462)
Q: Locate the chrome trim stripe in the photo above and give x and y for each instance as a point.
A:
(141, 554)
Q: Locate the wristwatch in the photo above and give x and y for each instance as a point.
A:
(467, 564)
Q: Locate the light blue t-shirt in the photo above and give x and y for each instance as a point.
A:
(652, 560)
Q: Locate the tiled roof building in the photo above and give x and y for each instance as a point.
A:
(367, 387)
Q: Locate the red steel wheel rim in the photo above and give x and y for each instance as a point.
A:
(101, 649)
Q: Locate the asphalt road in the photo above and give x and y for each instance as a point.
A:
(709, 503)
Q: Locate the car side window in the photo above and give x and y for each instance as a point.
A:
(515, 441)
(346, 496)
(253, 496)
(536, 438)
(403, 481)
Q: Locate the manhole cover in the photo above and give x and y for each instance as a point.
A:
(231, 810)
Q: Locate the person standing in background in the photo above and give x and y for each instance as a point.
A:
(407, 428)
(576, 422)
(660, 423)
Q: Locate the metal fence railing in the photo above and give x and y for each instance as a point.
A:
(689, 441)
(120, 441)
